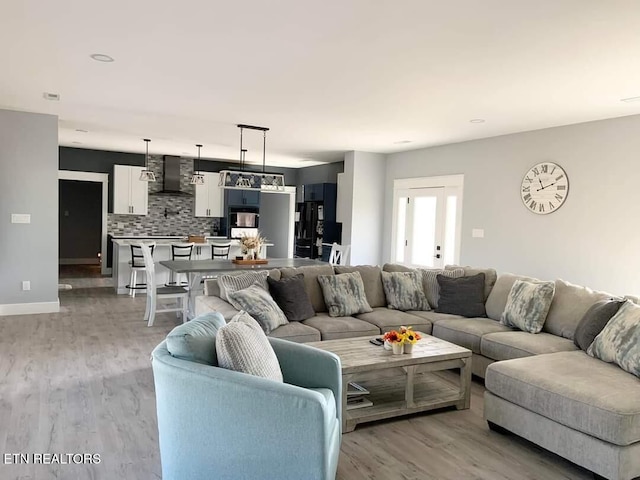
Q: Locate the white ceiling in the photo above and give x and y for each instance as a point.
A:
(326, 77)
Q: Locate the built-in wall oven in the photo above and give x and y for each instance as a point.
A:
(243, 219)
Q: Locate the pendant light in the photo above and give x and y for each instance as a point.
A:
(197, 178)
(147, 175)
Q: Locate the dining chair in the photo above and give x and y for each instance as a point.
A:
(155, 293)
(137, 266)
(339, 254)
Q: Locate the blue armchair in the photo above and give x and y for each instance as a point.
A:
(222, 424)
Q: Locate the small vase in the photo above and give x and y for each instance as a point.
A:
(397, 348)
(250, 254)
(387, 345)
(408, 347)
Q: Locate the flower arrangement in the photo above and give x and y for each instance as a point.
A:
(251, 244)
(403, 340)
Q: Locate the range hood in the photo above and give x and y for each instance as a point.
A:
(171, 178)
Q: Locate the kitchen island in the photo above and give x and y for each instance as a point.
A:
(201, 251)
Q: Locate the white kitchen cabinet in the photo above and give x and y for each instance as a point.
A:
(130, 194)
(209, 201)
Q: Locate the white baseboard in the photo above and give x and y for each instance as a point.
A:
(29, 308)
(79, 261)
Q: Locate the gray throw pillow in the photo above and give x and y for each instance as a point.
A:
(243, 347)
(619, 341)
(195, 341)
(404, 291)
(257, 302)
(462, 296)
(232, 283)
(593, 321)
(344, 294)
(430, 282)
(291, 297)
(528, 304)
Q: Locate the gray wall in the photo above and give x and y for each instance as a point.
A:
(80, 220)
(592, 240)
(28, 184)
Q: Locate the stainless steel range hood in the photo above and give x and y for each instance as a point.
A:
(171, 178)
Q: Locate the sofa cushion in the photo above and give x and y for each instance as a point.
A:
(296, 332)
(242, 346)
(599, 399)
(430, 282)
(500, 292)
(372, 279)
(462, 296)
(386, 320)
(619, 341)
(344, 294)
(490, 276)
(528, 305)
(403, 291)
(332, 328)
(206, 304)
(569, 305)
(432, 316)
(211, 287)
(291, 297)
(311, 282)
(508, 345)
(258, 303)
(396, 267)
(195, 341)
(467, 332)
(232, 283)
(594, 321)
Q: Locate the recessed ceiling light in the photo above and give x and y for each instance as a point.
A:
(81, 130)
(476, 120)
(101, 57)
(399, 142)
(630, 99)
(77, 143)
(51, 96)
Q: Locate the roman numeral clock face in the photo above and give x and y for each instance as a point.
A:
(544, 188)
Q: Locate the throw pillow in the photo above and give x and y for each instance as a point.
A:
(344, 294)
(593, 321)
(404, 291)
(233, 283)
(462, 296)
(242, 346)
(527, 305)
(195, 341)
(257, 302)
(619, 341)
(430, 282)
(291, 297)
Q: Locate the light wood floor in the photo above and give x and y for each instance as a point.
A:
(80, 382)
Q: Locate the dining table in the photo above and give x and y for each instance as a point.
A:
(196, 270)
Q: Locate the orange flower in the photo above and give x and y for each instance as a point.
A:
(393, 337)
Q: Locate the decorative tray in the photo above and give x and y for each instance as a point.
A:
(262, 261)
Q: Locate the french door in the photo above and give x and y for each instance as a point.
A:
(425, 226)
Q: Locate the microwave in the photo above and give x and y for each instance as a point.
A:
(243, 218)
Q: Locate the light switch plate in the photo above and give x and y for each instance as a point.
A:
(20, 218)
(477, 233)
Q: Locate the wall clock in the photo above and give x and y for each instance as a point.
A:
(544, 188)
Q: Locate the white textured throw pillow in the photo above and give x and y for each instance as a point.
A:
(242, 346)
(233, 283)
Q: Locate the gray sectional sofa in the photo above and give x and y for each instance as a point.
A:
(539, 386)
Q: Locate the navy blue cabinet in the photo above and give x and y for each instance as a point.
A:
(324, 193)
(243, 198)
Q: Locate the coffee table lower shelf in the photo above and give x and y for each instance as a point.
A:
(430, 392)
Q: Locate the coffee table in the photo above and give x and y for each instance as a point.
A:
(400, 384)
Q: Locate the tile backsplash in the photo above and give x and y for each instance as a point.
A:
(168, 214)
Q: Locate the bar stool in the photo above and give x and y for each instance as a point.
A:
(137, 265)
(220, 250)
(179, 251)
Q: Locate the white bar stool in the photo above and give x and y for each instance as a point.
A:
(179, 251)
(137, 265)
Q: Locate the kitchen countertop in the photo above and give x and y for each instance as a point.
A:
(167, 241)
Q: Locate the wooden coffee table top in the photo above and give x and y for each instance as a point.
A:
(358, 355)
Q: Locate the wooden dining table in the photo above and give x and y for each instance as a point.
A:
(197, 269)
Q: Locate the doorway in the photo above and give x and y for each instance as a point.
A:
(82, 211)
(426, 221)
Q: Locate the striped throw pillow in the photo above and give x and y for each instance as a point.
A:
(232, 283)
